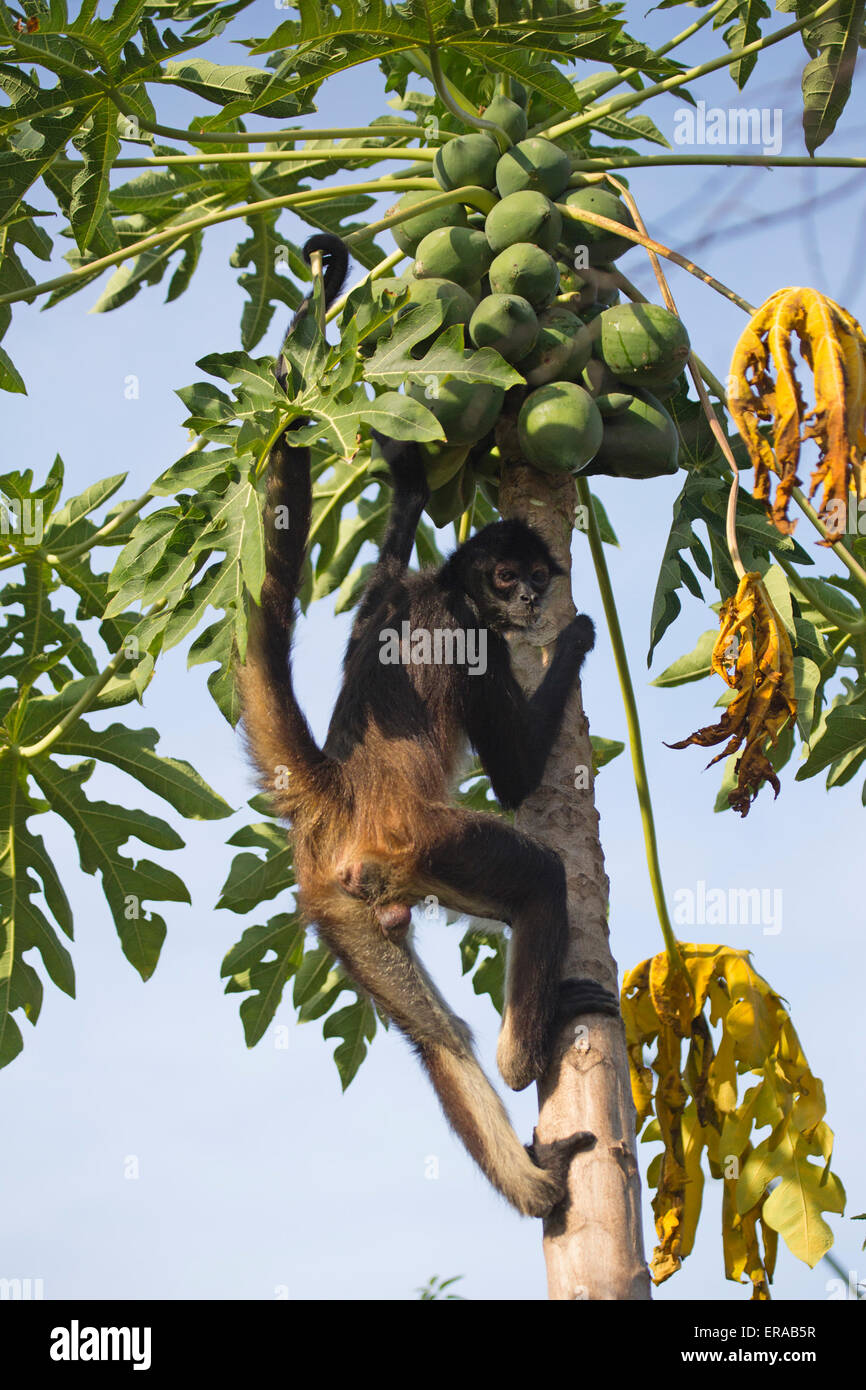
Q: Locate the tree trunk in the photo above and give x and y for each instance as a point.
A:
(596, 1250)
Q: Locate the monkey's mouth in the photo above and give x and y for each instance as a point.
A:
(529, 620)
(522, 621)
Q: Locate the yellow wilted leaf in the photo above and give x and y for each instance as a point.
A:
(753, 655)
(672, 995)
(754, 1265)
(641, 1026)
(737, 1126)
(771, 1246)
(833, 345)
(756, 1015)
(694, 1141)
(741, 1247)
(696, 1106)
(666, 1256)
(723, 1073)
(804, 1191)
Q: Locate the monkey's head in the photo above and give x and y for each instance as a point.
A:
(506, 568)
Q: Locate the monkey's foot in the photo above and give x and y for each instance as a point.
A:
(577, 997)
(555, 1158)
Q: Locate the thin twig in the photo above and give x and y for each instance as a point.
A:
(595, 220)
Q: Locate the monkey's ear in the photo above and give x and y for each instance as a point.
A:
(554, 567)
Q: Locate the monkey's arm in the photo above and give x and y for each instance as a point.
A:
(513, 735)
(409, 494)
(408, 498)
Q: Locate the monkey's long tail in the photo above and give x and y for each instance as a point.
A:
(292, 765)
(398, 983)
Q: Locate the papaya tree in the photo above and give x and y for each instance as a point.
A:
(487, 205)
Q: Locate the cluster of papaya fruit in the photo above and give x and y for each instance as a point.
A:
(535, 286)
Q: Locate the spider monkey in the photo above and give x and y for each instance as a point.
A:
(373, 827)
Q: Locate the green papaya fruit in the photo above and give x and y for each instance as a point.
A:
(523, 217)
(468, 159)
(452, 253)
(407, 234)
(562, 348)
(466, 410)
(535, 164)
(559, 427)
(611, 403)
(526, 270)
(508, 116)
(598, 379)
(505, 322)
(643, 344)
(639, 441)
(664, 390)
(601, 244)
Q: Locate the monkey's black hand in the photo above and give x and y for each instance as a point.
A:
(579, 636)
(578, 997)
(572, 645)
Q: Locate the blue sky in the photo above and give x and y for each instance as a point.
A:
(256, 1177)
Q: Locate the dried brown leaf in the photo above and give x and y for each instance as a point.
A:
(754, 657)
(833, 345)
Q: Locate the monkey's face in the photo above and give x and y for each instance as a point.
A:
(516, 591)
(506, 569)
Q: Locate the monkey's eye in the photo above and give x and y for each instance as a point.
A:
(503, 575)
(539, 577)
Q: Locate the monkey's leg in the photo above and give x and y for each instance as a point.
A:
(489, 869)
(534, 1182)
